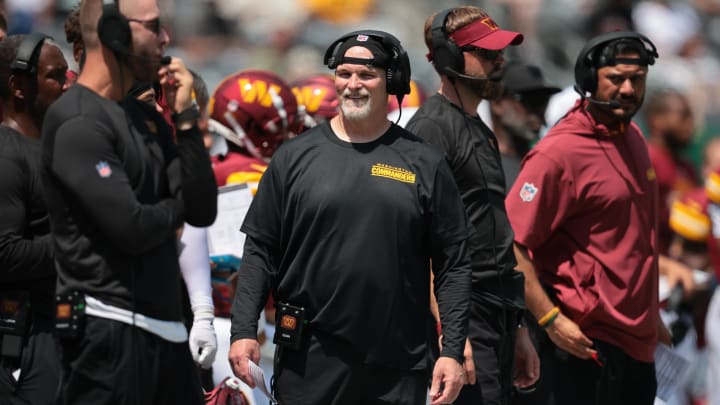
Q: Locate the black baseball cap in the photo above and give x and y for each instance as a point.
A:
(523, 78)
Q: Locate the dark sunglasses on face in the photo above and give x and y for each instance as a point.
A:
(152, 25)
(486, 54)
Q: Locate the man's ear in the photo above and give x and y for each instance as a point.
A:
(15, 86)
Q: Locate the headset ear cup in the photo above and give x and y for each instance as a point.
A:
(446, 54)
(113, 29)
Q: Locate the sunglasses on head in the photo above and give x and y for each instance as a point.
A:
(486, 54)
(152, 25)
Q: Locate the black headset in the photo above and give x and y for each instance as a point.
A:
(397, 73)
(114, 28)
(446, 55)
(28, 52)
(589, 59)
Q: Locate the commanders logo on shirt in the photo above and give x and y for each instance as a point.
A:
(390, 172)
(528, 191)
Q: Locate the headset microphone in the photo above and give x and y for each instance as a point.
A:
(495, 76)
(611, 103)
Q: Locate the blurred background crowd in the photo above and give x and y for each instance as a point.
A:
(218, 37)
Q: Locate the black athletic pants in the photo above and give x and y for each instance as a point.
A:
(492, 334)
(114, 363)
(40, 375)
(324, 372)
(621, 381)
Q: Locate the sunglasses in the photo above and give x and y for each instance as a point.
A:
(152, 25)
(486, 54)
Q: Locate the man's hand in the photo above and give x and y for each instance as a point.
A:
(469, 364)
(448, 379)
(677, 273)
(568, 336)
(203, 342)
(527, 363)
(241, 351)
(177, 84)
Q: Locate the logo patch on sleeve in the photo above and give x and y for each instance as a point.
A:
(103, 169)
(528, 191)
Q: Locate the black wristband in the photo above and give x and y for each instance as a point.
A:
(187, 115)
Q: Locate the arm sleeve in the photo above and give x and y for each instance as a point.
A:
(451, 267)
(258, 273)
(256, 276)
(451, 262)
(81, 149)
(21, 258)
(199, 190)
(540, 200)
(195, 266)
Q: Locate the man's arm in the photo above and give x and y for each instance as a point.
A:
(21, 258)
(199, 190)
(451, 269)
(84, 169)
(256, 276)
(562, 331)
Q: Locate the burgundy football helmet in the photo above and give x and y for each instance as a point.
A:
(256, 110)
(317, 98)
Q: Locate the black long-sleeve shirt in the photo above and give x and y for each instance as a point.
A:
(118, 188)
(26, 254)
(347, 231)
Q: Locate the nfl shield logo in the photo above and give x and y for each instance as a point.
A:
(103, 169)
(362, 38)
(527, 192)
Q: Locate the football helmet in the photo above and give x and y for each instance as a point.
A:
(256, 110)
(317, 98)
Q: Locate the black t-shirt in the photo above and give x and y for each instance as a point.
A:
(26, 259)
(353, 227)
(471, 149)
(118, 188)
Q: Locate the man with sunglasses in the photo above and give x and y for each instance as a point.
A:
(118, 188)
(518, 115)
(466, 49)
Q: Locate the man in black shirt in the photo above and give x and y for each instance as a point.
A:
(344, 224)
(118, 188)
(32, 75)
(465, 48)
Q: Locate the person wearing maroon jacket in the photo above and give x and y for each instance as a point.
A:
(584, 212)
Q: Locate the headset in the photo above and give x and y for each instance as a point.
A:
(589, 59)
(446, 55)
(28, 53)
(397, 73)
(114, 28)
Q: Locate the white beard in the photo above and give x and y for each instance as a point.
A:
(355, 109)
